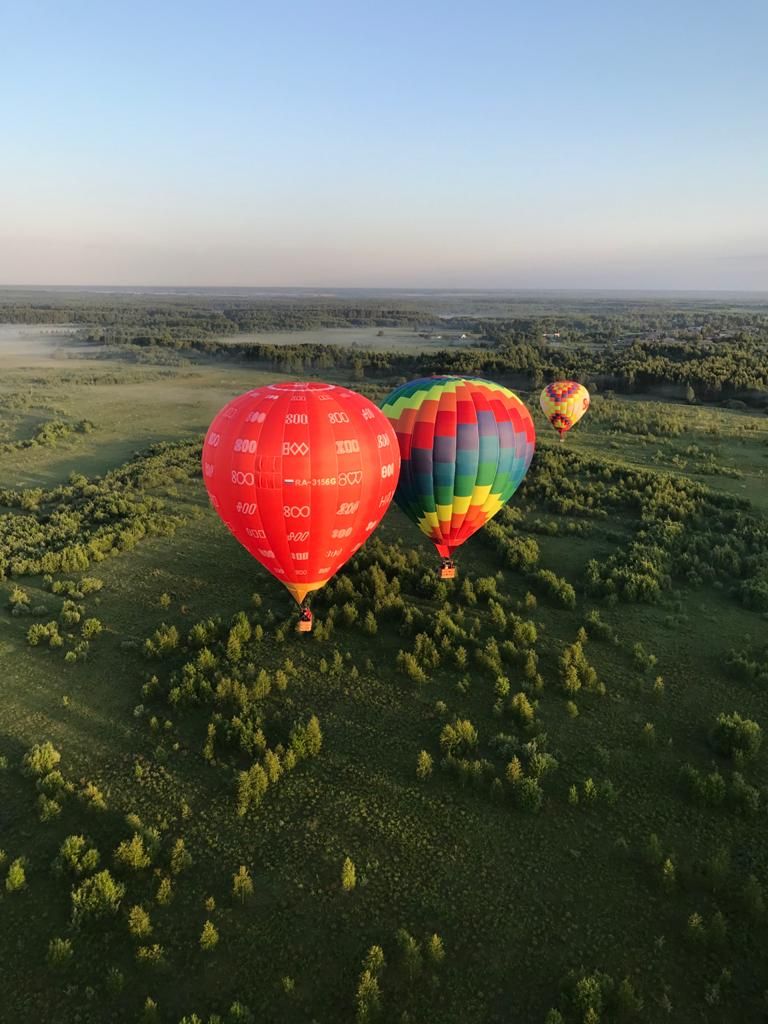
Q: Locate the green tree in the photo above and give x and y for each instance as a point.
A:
(753, 899)
(60, 952)
(370, 626)
(209, 937)
(522, 710)
(76, 855)
(348, 875)
(435, 949)
(93, 797)
(528, 795)
(733, 735)
(149, 1013)
(627, 999)
(423, 765)
(98, 896)
(41, 759)
(90, 629)
(648, 734)
(139, 924)
(181, 858)
(242, 884)
(164, 893)
(16, 879)
(653, 850)
(153, 956)
(132, 853)
(458, 738)
(590, 791)
(307, 741)
(668, 874)
(374, 960)
(410, 952)
(696, 930)
(367, 998)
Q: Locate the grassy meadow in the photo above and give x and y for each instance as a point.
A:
(609, 889)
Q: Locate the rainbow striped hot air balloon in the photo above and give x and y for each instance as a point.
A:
(465, 446)
(564, 403)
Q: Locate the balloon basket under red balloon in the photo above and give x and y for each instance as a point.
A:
(303, 626)
(448, 572)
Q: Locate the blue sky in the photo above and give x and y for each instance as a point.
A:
(491, 144)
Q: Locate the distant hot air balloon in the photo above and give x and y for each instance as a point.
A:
(564, 403)
(301, 474)
(466, 445)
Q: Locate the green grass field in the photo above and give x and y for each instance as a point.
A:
(519, 899)
(384, 339)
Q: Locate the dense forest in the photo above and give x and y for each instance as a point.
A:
(712, 371)
(718, 354)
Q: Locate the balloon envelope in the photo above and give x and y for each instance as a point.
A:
(564, 403)
(301, 474)
(466, 444)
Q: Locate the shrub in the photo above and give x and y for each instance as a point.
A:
(76, 855)
(153, 955)
(528, 795)
(41, 759)
(735, 736)
(98, 896)
(458, 738)
(90, 629)
(60, 952)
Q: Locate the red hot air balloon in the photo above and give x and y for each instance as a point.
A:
(301, 474)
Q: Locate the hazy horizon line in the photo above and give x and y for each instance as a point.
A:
(393, 289)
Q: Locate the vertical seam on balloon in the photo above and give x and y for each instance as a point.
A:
(405, 488)
(454, 391)
(480, 393)
(269, 536)
(517, 436)
(379, 478)
(355, 517)
(413, 492)
(431, 449)
(282, 492)
(509, 395)
(255, 456)
(463, 391)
